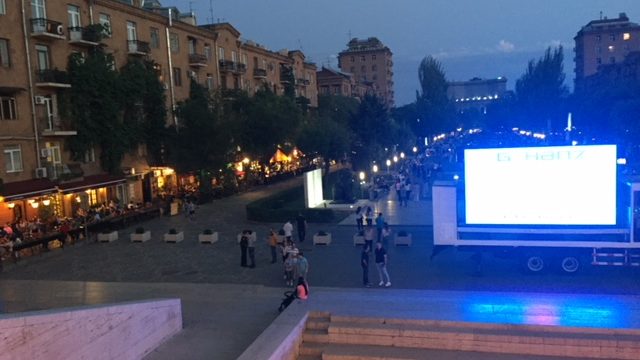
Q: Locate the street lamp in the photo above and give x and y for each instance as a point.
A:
(402, 155)
(375, 168)
(388, 164)
(415, 149)
(361, 175)
(395, 159)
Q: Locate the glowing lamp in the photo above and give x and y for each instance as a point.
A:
(402, 155)
(375, 168)
(456, 177)
(78, 199)
(35, 204)
(246, 160)
(361, 175)
(415, 149)
(11, 205)
(395, 159)
(388, 162)
(46, 202)
(574, 143)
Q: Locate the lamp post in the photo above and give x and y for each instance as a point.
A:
(402, 155)
(375, 168)
(415, 149)
(388, 164)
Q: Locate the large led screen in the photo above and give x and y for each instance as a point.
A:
(313, 188)
(556, 185)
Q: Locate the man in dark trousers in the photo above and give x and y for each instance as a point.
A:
(244, 244)
(301, 223)
(364, 262)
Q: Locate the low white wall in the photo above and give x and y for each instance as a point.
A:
(113, 331)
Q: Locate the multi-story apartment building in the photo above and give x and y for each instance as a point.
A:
(335, 82)
(370, 61)
(604, 41)
(36, 39)
(476, 93)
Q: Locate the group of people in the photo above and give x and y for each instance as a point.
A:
(381, 260)
(403, 189)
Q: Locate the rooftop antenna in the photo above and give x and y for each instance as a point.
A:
(211, 19)
(600, 15)
(191, 6)
(349, 35)
(300, 45)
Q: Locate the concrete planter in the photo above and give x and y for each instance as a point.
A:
(145, 236)
(402, 240)
(322, 239)
(108, 237)
(208, 238)
(174, 238)
(358, 240)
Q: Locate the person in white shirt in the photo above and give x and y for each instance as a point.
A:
(288, 230)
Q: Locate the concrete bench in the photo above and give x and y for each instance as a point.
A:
(145, 236)
(322, 239)
(108, 236)
(208, 238)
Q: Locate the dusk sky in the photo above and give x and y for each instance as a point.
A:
(471, 38)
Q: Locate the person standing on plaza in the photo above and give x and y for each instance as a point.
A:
(407, 191)
(386, 235)
(288, 230)
(368, 236)
(301, 223)
(379, 225)
(302, 266)
(273, 245)
(398, 187)
(244, 244)
(251, 247)
(381, 262)
(359, 219)
(290, 267)
(369, 216)
(364, 262)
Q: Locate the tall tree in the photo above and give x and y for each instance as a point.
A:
(541, 92)
(372, 130)
(432, 104)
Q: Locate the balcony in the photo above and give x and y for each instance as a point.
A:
(303, 82)
(64, 172)
(232, 67)
(53, 126)
(85, 36)
(259, 73)
(52, 78)
(197, 60)
(138, 48)
(43, 29)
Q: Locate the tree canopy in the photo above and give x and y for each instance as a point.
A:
(433, 107)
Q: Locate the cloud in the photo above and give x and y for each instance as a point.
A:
(505, 46)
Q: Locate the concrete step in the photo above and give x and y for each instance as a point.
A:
(318, 324)
(309, 357)
(373, 352)
(512, 339)
(318, 336)
(312, 348)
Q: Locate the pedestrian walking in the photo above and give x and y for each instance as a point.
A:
(244, 245)
(273, 245)
(398, 187)
(301, 223)
(359, 218)
(379, 225)
(407, 191)
(251, 247)
(368, 236)
(381, 263)
(386, 235)
(364, 262)
(288, 230)
(302, 265)
(369, 216)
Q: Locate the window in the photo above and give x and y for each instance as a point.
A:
(90, 156)
(353, 58)
(42, 54)
(105, 21)
(210, 81)
(3, 8)
(221, 54)
(362, 58)
(38, 10)
(626, 36)
(192, 75)
(8, 108)
(373, 57)
(191, 42)
(132, 33)
(12, 158)
(177, 77)
(612, 59)
(599, 61)
(375, 77)
(612, 37)
(363, 68)
(598, 38)
(611, 48)
(4, 53)
(234, 57)
(174, 42)
(74, 16)
(598, 50)
(352, 70)
(207, 52)
(374, 68)
(155, 38)
(244, 59)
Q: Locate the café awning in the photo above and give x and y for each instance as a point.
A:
(19, 190)
(280, 156)
(91, 182)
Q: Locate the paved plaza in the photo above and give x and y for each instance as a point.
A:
(219, 295)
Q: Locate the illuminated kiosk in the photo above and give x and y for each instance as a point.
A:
(313, 196)
(557, 206)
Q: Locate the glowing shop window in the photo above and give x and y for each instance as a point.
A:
(626, 36)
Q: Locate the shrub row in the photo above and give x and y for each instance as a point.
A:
(284, 206)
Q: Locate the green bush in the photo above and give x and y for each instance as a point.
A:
(284, 206)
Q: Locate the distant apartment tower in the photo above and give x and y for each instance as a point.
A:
(476, 93)
(336, 82)
(602, 42)
(370, 61)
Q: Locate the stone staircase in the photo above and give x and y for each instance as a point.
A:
(331, 337)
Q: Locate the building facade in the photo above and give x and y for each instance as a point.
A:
(602, 42)
(338, 83)
(36, 39)
(476, 93)
(371, 63)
